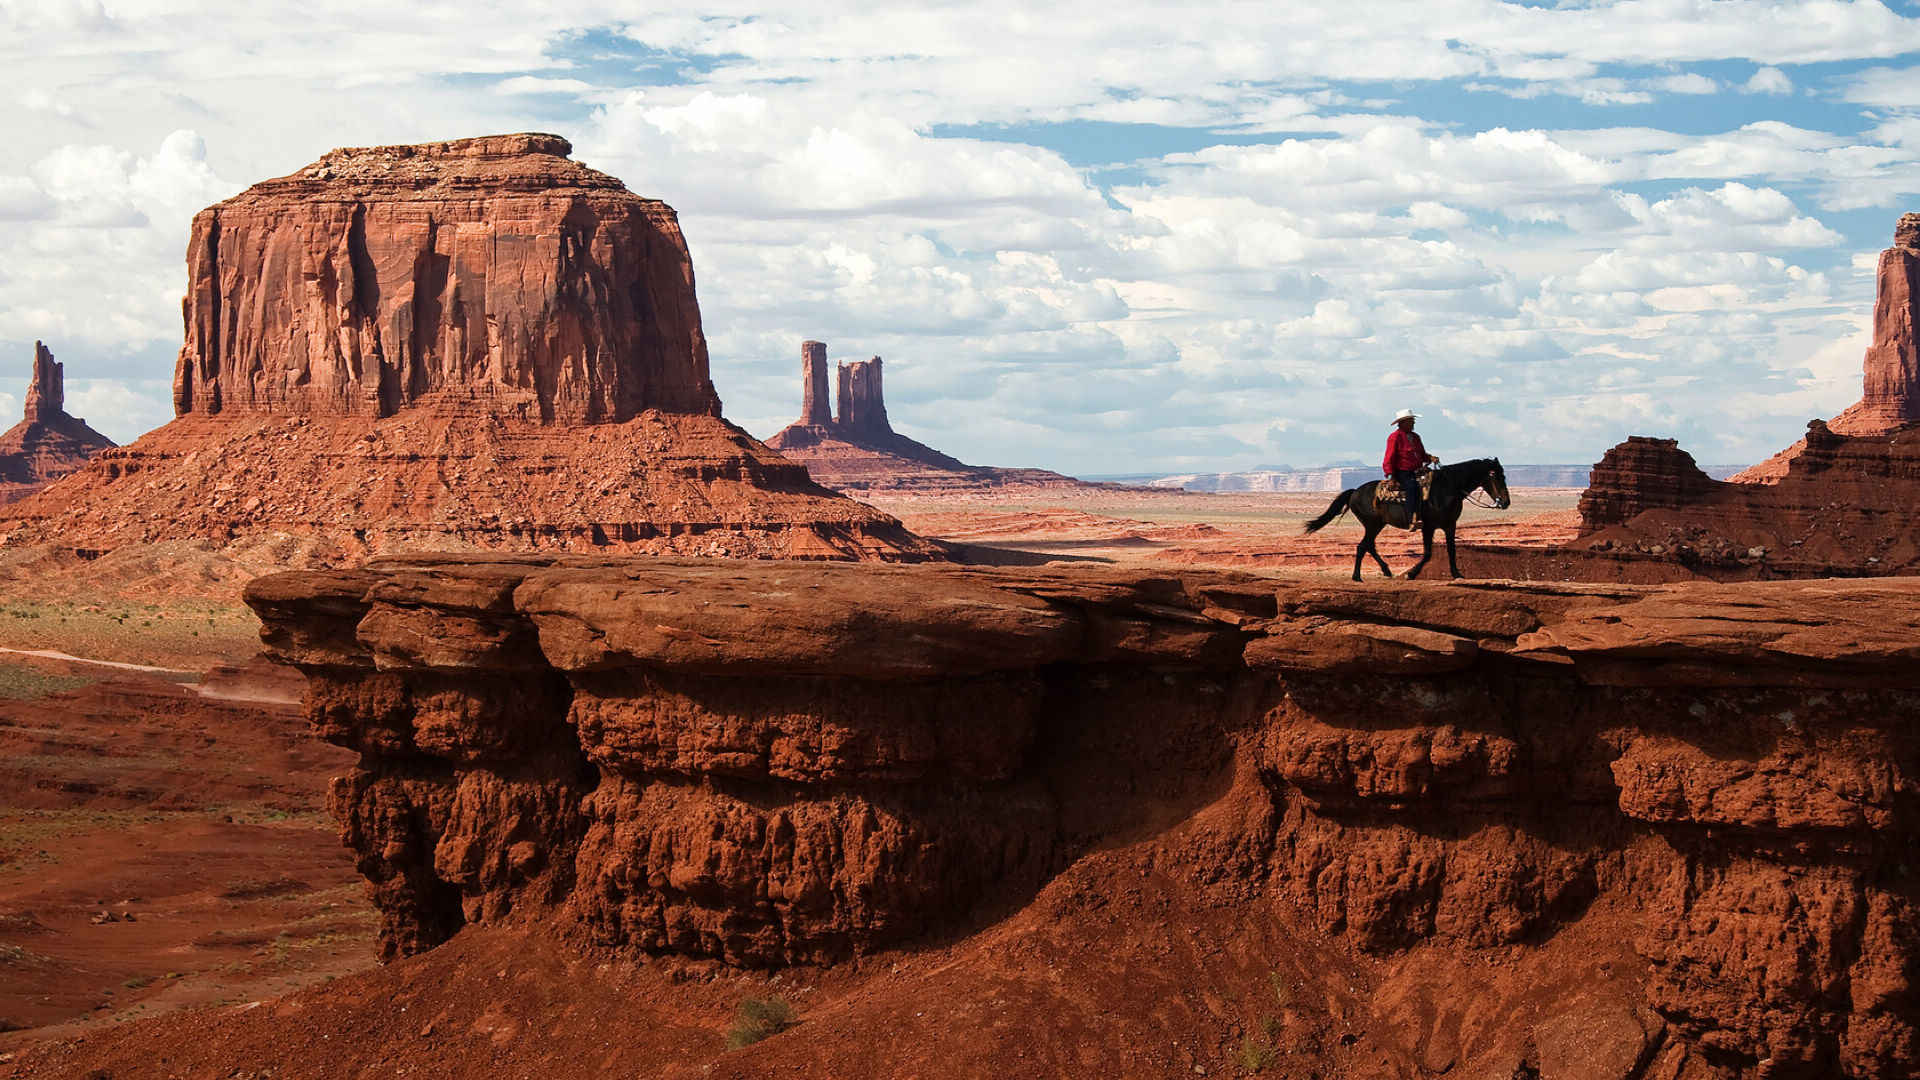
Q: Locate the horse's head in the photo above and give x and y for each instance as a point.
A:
(1496, 485)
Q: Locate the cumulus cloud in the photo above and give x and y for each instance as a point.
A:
(1769, 80)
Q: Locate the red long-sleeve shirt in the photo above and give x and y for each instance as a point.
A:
(1405, 452)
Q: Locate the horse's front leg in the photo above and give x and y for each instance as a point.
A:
(1452, 560)
(1425, 554)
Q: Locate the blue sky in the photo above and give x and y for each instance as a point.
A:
(1095, 238)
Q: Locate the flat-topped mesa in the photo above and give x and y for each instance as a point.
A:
(471, 344)
(489, 275)
(46, 389)
(863, 407)
(1891, 397)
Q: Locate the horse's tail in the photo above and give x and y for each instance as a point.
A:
(1334, 509)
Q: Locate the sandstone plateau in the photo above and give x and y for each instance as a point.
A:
(1694, 802)
(477, 343)
(857, 450)
(47, 443)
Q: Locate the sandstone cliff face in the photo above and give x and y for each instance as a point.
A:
(1892, 366)
(488, 275)
(1641, 474)
(774, 764)
(47, 444)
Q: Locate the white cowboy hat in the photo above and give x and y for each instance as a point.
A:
(1404, 414)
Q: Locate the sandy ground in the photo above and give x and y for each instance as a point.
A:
(1243, 530)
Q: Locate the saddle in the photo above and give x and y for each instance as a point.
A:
(1386, 491)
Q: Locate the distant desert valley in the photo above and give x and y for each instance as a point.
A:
(450, 689)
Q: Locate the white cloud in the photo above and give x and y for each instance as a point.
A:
(1688, 83)
(1769, 80)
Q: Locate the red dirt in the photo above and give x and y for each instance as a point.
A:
(161, 850)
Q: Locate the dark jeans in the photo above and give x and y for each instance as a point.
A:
(1411, 486)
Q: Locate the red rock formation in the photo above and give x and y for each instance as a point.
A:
(1641, 474)
(47, 444)
(858, 451)
(46, 388)
(771, 765)
(1891, 381)
(863, 407)
(490, 274)
(472, 343)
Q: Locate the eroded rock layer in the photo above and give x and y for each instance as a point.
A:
(47, 443)
(1638, 475)
(780, 763)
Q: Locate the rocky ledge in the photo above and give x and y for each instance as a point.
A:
(773, 764)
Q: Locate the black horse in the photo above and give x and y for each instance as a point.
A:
(1451, 486)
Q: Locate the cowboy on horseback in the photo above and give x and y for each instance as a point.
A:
(1406, 456)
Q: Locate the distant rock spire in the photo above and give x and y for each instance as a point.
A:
(46, 392)
(815, 409)
(863, 407)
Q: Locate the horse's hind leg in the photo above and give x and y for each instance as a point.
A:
(1359, 553)
(1453, 561)
(1373, 533)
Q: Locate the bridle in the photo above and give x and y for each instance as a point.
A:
(1472, 496)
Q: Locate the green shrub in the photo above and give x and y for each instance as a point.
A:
(759, 1018)
(1254, 1056)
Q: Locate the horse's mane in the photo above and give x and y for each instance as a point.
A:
(1460, 468)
